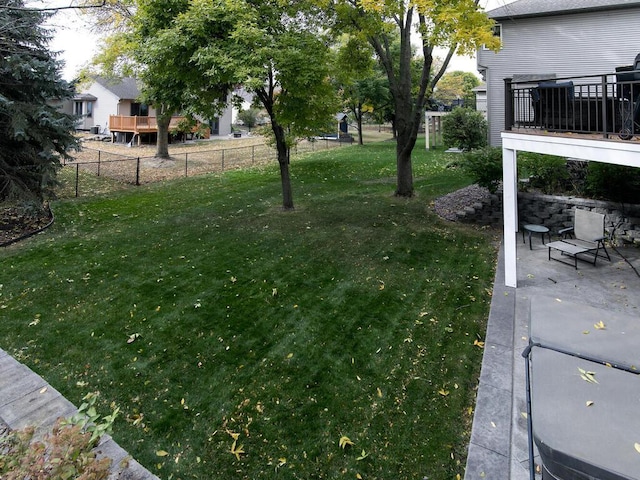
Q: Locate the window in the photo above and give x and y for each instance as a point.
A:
(89, 109)
(139, 110)
(497, 32)
(77, 108)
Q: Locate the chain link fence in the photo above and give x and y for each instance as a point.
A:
(138, 170)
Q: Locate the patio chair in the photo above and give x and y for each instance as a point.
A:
(586, 237)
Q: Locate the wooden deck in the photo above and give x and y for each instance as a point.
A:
(143, 125)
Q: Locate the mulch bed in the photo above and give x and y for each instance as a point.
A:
(17, 223)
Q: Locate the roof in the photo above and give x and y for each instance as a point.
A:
(124, 88)
(542, 8)
(85, 97)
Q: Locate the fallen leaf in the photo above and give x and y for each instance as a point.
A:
(478, 344)
(43, 389)
(443, 392)
(345, 442)
(637, 445)
(379, 392)
(162, 453)
(363, 455)
(132, 338)
(237, 450)
(587, 376)
(589, 403)
(600, 325)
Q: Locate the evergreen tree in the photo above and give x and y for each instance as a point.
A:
(34, 134)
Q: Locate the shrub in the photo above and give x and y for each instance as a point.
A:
(64, 453)
(465, 129)
(613, 182)
(484, 166)
(547, 173)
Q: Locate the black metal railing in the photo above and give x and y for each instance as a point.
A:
(607, 104)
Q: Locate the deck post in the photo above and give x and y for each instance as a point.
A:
(510, 209)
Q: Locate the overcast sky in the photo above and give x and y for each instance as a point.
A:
(77, 45)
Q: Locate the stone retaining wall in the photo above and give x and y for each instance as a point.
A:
(555, 212)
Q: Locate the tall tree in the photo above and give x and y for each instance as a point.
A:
(458, 25)
(172, 79)
(457, 85)
(361, 87)
(276, 50)
(34, 133)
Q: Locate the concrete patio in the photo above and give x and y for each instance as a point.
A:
(499, 443)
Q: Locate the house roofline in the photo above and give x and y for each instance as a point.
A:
(508, 12)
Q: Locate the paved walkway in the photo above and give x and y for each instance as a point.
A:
(499, 446)
(26, 399)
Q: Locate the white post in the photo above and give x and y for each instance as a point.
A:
(510, 210)
(426, 129)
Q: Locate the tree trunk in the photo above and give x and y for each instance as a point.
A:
(359, 120)
(162, 144)
(283, 160)
(404, 167)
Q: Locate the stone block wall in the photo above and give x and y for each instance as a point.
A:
(556, 212)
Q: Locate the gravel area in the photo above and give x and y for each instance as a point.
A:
(447, 205)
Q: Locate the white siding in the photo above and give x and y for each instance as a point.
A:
(225, 121)
(564, 45)
(106, 104)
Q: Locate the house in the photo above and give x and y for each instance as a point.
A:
(554, 88)
(555, 39)
(480, 93)
(112, 107)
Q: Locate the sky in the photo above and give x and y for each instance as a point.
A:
(77, 44)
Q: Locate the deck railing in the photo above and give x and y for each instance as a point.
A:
(123, 123)
(597, 104)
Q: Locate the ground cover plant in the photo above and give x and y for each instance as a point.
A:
(340, 340)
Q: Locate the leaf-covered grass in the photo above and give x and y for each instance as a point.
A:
(243, 342)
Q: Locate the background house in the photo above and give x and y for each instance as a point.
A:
(553, 39)
(105, 97)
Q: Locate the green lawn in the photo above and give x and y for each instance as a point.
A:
(206, 313)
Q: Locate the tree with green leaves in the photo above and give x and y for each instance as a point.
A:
(173, 81)
(266, 46)
(457, 25)
(362, 88)
(457, 85)
(249, 117)
(34, 133)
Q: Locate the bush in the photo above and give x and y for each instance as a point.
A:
(484, 166)
(465, 129)
(65, 453)
(613, 182)
(546, 173)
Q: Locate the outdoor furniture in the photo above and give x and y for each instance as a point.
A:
(541, 229)
(588, 238)
(583, 391)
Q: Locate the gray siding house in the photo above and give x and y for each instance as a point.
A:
(556, 38)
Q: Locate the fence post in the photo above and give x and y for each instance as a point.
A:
(508, 104)
(253, 154)
(222, 163)
(138, 172)
(605, 125)
(77, 177)
(99, 151)
(186, 164)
